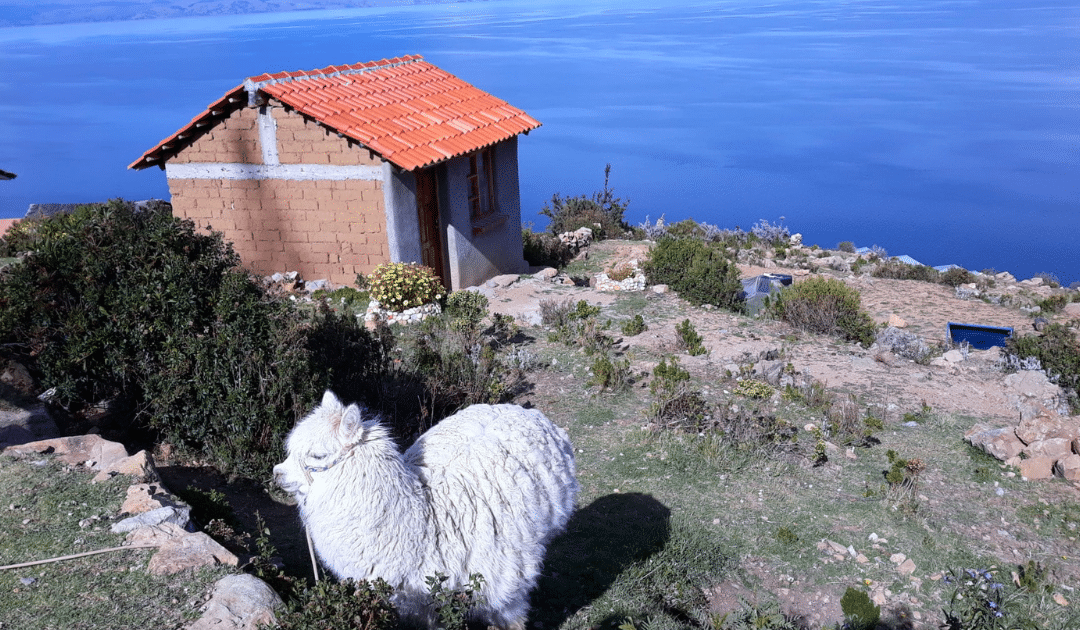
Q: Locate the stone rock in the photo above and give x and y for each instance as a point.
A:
(16, 376)
(896, 321)
(660, 288)
(1051, 448)
(191, 551)
(1030, 390)
(578, 239)
(180, 516)
(91, 450)
(504, 280)
(1068, 467)
(953, 356)
(547, 273)
(1072, 310)
(239, 602)
(1046, 426)
(907, 567)
(23, 425)
(140, 466)
(835, 547)
(1005, 277)
(887, 358)
(1037, 468)
(143, 497)
(1001, 443)
(155, 535)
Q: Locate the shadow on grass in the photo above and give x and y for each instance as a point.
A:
(600, 542)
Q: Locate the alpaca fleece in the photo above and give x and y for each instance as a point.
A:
(483, 491)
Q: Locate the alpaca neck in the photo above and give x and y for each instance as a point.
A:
(369, 499)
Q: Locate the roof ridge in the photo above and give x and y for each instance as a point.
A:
(252, 86)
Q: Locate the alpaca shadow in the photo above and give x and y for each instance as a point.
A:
(600, 542)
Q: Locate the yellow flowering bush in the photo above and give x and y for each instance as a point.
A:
(401, 286)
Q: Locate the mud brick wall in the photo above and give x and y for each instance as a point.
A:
(332, 229)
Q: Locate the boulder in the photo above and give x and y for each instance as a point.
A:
(239, 602)
(1051, 448)
(1037, 468)
(1046, 426)
(1001, 443)
(143, 497)
(953, 356)
(190, 551)
(896, 321)
(93, 451)
(21, 425)
(180, 516)
(140, 466)
(1071, 310)
(1068, 467)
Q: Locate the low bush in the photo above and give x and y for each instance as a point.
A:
(576, 324)
(610, 374)
(544, 250)
(675, 403)
(1057, 351)
(602, 212)
(955, 276)
(634, 326)
(131, 307)
(401, 286)
(825, 306)
(347, 604)
(898, 270)
(466, 309)
(1053, 303)
(846, 246)
(688, 339)
(700, 273)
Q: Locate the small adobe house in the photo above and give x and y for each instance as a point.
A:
(331, 172)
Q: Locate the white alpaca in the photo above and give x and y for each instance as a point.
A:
(483, 491)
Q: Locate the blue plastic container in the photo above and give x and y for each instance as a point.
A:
(978, 336)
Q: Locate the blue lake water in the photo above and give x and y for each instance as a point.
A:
(943, 130)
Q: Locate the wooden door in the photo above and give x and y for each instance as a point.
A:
(427, 208)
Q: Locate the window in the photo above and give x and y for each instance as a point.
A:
(482, 199)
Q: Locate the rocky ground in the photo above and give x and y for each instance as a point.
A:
(968, 386)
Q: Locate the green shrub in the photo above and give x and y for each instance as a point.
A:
(544, 250)
(825, 306)
(134, 308)
(898, 270)
(452, 606)
(675, 404)
(345, 605)
(455, 365)
(956, 276)
(634, 326)
(1053, 303)
(750, 388)
(466, 309)
(576, 325)
(610, 374)
(701, 273)
(401, 286)
(602, 212)
(1058, 352)
(846, 247)
(859, 612)
(688, 339)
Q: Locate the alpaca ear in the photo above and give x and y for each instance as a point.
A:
(352, 424)
(330, 400)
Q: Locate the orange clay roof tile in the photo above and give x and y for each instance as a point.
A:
(408, 111)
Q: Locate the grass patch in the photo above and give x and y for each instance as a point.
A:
(49, 510)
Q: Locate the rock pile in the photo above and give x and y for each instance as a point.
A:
(1045, 442)
(158, 519)
(577, 240)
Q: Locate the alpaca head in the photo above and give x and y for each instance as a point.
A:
(320, 441)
